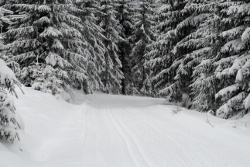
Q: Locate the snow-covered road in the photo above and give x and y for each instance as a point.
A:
(118, 131)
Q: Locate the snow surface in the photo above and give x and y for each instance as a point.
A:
(117, 131)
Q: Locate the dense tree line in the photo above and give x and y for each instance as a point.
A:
(191, 51)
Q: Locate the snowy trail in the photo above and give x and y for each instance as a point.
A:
(150, 136)
(118, 131)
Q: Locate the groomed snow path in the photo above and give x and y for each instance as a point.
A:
(118, 131)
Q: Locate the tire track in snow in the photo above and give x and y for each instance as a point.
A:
(132, 145)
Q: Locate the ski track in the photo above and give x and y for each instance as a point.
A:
(95, 145)
(156, 131)
(128, 147)
(131, 143)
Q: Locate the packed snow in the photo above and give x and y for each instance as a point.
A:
(122, 131)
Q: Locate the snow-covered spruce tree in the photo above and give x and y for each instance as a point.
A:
(159, 51)
(162, 57)
(194, 45)
(111, 74)
(140, 39)
(205, 83)
(9, 122)
(124, 15)
(185, 40)
(233, 61)
(47, 35)
(197, 51)
(92, 34)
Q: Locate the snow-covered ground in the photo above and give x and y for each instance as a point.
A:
(117, 131)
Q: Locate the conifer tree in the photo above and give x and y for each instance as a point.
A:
(185, 39)
(159, 53)
(232, 60)
(194, 38)
(112, 73)
(162, 57)
(92, 34)
(140, 39)
(125, 11)
(10, 123)
(198, 48)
